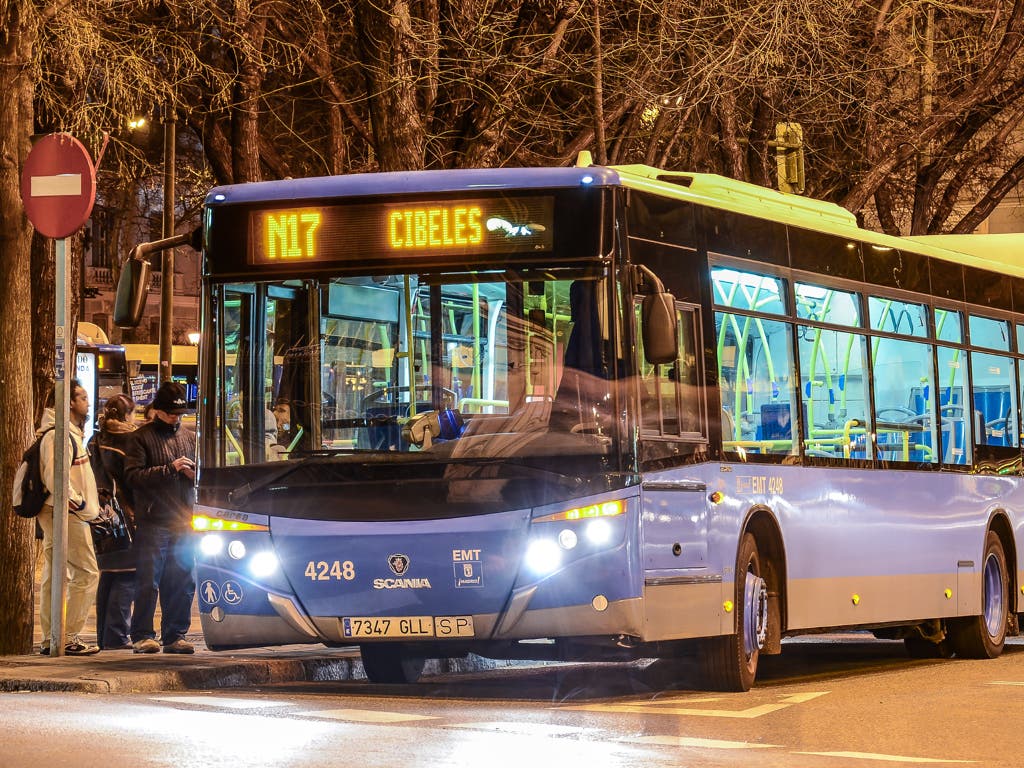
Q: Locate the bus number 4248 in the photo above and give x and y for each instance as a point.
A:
(324, 571)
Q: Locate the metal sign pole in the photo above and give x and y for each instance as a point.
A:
(58, 190)
(61, 471)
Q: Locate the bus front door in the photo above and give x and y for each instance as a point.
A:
(682, 597)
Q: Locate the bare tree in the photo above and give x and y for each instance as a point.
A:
(20, 24)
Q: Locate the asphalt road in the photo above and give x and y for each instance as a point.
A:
(826, 702)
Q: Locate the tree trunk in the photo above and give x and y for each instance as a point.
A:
(43, 287)
(245, 130)
(385, 36)
(16, 118)
(729, 146)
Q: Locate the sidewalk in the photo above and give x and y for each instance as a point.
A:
(126, 672)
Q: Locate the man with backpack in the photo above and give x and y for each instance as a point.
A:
(83, 506)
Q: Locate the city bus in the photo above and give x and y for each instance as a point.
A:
(184, 370)
(101, 368)
(599, 413)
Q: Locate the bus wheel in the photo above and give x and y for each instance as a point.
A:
(729, 663)
(390, 663)
(982, 637)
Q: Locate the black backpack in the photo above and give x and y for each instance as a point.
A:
(30, 493)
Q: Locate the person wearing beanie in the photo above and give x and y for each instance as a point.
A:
(159, 468)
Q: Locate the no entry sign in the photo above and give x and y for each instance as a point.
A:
(58, 185)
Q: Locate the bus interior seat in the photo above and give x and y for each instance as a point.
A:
(728, 425)
(993, 410)
(776, 422)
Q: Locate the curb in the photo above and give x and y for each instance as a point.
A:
(235, 674)
(211, 674)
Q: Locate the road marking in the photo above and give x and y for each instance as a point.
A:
(685, 741)
(672, 706)
(529, 729)
(884, 758)
(365, 715)
(223, 701)
(1006, 682)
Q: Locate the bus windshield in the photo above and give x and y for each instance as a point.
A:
(407, 368)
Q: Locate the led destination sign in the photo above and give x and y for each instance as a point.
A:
(354, 232)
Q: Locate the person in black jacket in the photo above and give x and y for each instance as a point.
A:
(160, 469)
(116, 588)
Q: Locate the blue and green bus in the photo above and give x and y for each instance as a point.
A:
(599, 413)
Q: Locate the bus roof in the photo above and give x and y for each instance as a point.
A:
(996, 253)
(989, 252)
(410, 182)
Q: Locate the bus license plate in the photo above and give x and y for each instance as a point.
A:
(407, 626)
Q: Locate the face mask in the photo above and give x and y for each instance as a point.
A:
(164, 428)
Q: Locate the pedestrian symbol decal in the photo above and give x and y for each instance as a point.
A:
(232, 592)
(209, 592)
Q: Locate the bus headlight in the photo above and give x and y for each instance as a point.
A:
(543, 556)
(211, 545)
(598, 532)
(567, 539)
(236, 550)
(263, 564)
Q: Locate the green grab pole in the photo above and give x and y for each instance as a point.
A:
(767, 351)
(475, 381)
(953, 368)
(846, 368)
(410, 345)
(385, 343)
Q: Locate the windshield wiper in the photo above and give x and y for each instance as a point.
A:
(244, 492)
(571, 480)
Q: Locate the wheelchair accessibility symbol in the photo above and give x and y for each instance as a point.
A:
(232, 592)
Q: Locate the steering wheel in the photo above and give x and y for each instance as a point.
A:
(901, 414)
(385, 394)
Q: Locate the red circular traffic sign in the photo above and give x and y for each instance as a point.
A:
(58, 185)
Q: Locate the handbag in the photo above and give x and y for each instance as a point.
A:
(110, 531)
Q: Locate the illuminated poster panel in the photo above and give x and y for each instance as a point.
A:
(474, 226)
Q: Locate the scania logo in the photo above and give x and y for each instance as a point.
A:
(398, 564)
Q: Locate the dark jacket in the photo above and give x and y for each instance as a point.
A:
(107, 453)
(163, 497)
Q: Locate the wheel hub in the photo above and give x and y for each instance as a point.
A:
(993, 596)
(755, 613)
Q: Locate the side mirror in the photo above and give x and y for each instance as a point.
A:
(659, 330)
(132, 286)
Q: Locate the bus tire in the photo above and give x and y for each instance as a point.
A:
(729, 662)
(983, 637)
(390, 663)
